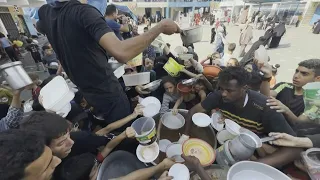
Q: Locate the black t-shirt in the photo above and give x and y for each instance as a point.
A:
(74, 30)
(34, 50)
(255, 115)
(286, 95)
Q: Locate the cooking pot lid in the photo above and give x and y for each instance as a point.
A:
(10, 64)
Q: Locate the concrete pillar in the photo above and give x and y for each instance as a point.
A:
(167, 12)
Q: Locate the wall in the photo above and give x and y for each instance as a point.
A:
(174, 9)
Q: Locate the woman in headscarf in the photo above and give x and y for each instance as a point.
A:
(278, 32)
(245, 38)
(220, 41)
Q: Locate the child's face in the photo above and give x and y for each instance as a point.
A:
(169, 87)
(48, 51)
(198, 87)
(248, 67)
(231, 63)
(148, 63)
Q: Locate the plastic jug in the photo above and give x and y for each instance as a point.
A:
(172, 67)
(311, 96)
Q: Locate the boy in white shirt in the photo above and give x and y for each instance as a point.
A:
(229, 54)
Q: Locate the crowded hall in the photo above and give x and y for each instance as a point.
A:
(111, 98)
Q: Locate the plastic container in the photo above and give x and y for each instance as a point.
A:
(149, 153)
(191, 35)
(15, 75)
(184, 89)
(172, 67)
(163, 144)
(174, 151)
(224, 135)
(215, 121)
(211, 70)
(136, 79)
(311, 96)
(56, 94)
(201, 119)
(172, 121)
(145, 130)
(119, 71)
(232, 127)
(185, 57)
(179, 172)
(311, 159)
(253, 170)
(154, 85)
(151, 105)
(200, 149)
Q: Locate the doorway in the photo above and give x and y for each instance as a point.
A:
(148, 12)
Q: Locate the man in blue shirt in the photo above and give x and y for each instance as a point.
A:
(111, 17)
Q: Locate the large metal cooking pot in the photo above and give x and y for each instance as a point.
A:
(239, 149)
(15, 75)
(191, 35)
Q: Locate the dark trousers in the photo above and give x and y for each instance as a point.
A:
(11, 53)
(110, 108)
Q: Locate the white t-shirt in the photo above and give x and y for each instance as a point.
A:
(225, 59)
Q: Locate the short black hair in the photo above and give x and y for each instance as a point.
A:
(255, 81)
(313, 64)
(52, 125)
(18, 149)
(170, 79)
(45, 47)
(29, 41)
(146, 28)
(2, 35)
(237, 73)
(232, 47)
(111, 8)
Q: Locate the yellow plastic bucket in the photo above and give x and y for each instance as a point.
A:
(172, 67)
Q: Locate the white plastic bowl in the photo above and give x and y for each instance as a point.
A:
(249, 170)
(174, 151)
(151, 106)
(224, 135)
(232, 127)
(56, 94)
(163, 144)
(149, 153)
(201, 119)
(172, 121)
(215, 122)
(179, 172)
(136, 79)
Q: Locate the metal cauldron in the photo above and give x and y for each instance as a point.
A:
(15, 75)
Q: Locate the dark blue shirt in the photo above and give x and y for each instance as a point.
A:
(115, 27)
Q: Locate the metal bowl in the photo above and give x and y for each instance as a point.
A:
(154, 85)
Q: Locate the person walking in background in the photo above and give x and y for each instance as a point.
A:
(6, 44)
(35, 53)
(245, 38)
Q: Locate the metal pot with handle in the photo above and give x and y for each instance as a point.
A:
(15, 75)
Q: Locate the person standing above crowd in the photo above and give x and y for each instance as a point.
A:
(33, 48)
(83, 59)
(111, 19)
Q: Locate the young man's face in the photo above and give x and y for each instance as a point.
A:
(303, 75)
(115, 14)
(48, 51)
(231, 91)
(61, 146)
(43, 167)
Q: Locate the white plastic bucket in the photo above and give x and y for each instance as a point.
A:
(145, 130)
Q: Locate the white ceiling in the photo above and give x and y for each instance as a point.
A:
(22, 3)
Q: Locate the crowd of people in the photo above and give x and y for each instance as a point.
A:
(44, 145)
